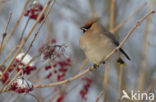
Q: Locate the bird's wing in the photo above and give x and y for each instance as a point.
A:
(112, 37)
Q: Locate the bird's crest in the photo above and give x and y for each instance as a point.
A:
(89, 24)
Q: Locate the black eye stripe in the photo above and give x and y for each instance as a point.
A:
(86, 28)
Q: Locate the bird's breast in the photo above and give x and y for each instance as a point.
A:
(96, 47)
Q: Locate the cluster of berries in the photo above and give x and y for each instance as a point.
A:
(52, 51)
(59, 68)
(60, 98)
(56, 54)
(5, 76)
(34, 11)
(86, 86)
(21, 85)
(20, 64)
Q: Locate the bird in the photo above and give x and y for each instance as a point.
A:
(97, 42)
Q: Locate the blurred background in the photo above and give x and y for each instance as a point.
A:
(63, 24)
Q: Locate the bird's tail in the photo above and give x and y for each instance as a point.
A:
(125, 54)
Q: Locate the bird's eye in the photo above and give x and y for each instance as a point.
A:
(86, 27)
(83, 29)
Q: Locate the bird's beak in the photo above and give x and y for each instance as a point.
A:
(82, 28)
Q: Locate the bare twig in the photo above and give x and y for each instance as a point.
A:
(105, 84)
(6, 28)
(20, 98)
(120, 83)
(151, 86)
(16, 25)
(112, 14)
(5, 31)
(129, 17)
(9, 55)
(111, 27)
(27, 22)
(98, 97)
(82, 65)
(93, 11)
(141, 78)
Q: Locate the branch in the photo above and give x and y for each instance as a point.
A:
(5, 32)
(98, 97)
(141, 79)
(128, 18)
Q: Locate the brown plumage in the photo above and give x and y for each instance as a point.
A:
(97, 42)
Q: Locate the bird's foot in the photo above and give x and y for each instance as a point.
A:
(95, 66)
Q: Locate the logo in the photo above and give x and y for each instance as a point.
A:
(137, 95)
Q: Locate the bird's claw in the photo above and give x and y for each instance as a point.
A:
(95, 66)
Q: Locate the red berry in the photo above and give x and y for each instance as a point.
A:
(55, 65)
(26, 91)
(68, 60)
(53, 41)
(60, 99)
(55, 71)
(63, 70)
(18, 69)
(49, 75)
(47, 67)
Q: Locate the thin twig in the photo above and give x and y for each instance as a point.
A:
(27, 22)
(93, 10)
(20, 98)
(5, 31)
(82, 65)
(34, 97)
(16, 25)
(111, 27)
(129, 17)
(98, 97)
(120, 83)
(6, 28)
(151, 86)
(142, 73)
(9, 55)
(9, 98)
(112, 15)
(105, 84)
